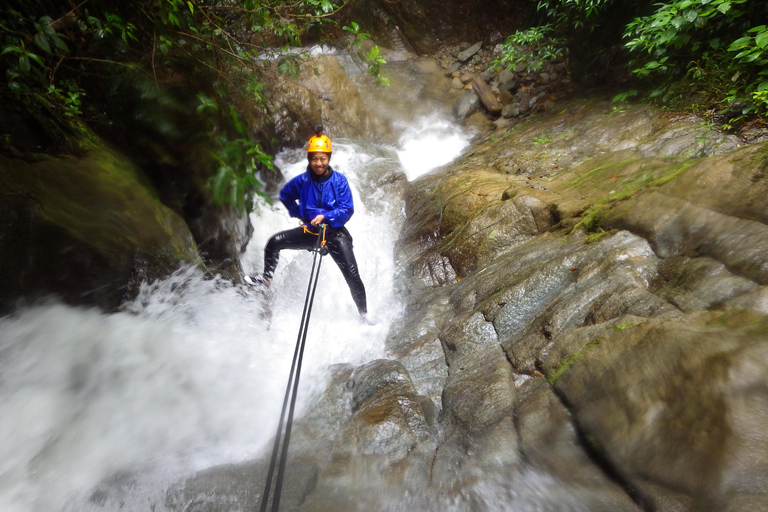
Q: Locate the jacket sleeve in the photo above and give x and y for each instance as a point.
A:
(289, 195)
(344, 206)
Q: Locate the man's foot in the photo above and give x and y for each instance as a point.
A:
(364, 318)
(256, 281)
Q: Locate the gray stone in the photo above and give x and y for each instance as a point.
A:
(511, 110)
(507, 76)
(450, 70)
(469, 52)
(466, 105)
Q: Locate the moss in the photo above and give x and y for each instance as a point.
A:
(598, 235)
(672, 174)
(571, 360)
(601, 172)
(103, 201)
(638, 176)
(746, 320)
(455, 235)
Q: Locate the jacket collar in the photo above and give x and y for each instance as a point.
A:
(320, 179)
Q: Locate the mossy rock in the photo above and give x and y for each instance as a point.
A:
(87, 229)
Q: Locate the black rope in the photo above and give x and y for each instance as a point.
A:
(291, 389)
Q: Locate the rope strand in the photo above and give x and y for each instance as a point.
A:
(283, 437)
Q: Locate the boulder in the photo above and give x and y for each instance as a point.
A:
(467, 104)
(676, 405)
(52, 242)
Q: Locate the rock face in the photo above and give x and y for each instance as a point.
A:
(586, 329)
(84, 228)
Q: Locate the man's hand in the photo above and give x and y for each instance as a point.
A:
(318, 220)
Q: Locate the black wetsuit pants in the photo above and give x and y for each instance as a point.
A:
(339, 244)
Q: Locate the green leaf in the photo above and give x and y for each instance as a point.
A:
(761, 39)
(59, 43)
(24, 64)
(36, 59)
(42, 42)
(691, 15)
(752, 57)
(740, 43)
(11, 48)
(724, 7)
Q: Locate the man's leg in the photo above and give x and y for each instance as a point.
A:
(290, 239)
(340, 249)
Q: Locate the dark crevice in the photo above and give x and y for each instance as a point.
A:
(601, 460)
(501, 345)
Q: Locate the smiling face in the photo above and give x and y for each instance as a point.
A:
(319, 162)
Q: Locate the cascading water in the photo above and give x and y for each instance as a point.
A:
(192, 373)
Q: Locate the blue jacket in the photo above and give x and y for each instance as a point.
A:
(307, 196)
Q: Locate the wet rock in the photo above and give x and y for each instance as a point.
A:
(511, 110)
(488, 75)
(241, 485)
(388, 441)
(466, 105)
(322, 90)
(551, 445)
(506, 76)
(755, 301)
(700, 283)
(480, 390)
(52, 243)
(510, 84)
(739, 244)
(684, 408)
(453, 68)
(465, 55)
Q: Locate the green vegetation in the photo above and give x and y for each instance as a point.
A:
(532, 48)
(698, 55)
(571, 360)
(180, 72)
(631, 176)
(372, 57)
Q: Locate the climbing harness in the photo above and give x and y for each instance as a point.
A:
(323, 249)
(283, 436)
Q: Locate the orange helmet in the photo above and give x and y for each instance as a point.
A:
(319, 143)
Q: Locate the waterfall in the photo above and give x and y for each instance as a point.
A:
(192, 372)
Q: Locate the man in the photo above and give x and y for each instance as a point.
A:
(318, 196)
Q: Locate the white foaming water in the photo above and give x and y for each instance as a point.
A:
(190, 374)
(429, 143)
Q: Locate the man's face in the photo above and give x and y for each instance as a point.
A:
(319, 163)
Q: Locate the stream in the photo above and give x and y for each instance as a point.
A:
(191, 373)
